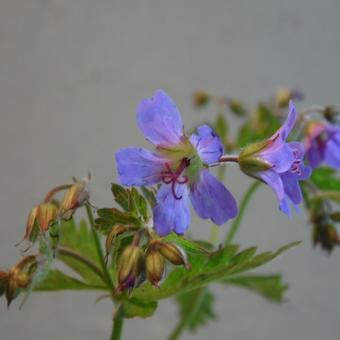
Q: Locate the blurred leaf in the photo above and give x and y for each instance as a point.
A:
(270, 287)
(196, 308)
(261, 126)
(134, 308)
(221, 128)
(326, 179)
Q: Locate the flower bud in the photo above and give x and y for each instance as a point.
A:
(173, 254)
(326, 235)
(17, 278)
(76, 196)
(200, 98)
(155, 266)
(118, 229)
(40, 218)
(284, 95)
(130, 266)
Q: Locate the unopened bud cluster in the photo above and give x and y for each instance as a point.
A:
(48, 213)
(139, 262)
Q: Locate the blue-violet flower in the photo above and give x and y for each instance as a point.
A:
(180, 164)
(278, 163)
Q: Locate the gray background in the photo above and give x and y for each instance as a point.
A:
(71, 74)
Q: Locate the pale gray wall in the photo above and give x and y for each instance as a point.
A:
(71, 74)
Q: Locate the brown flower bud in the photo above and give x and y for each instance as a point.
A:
(200, 98)
(130, 266)
(17, 278)
(284, 95)
(118, 229)
(40, 218)
(326, 235)
(76, 196)
(173, 254)
(155, 266)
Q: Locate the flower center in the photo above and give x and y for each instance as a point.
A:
(174, 177)
(296, 166)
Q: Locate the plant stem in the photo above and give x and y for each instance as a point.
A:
(100, 253)
(118, 323)
(87, 262)
(243, 205)
(52, 192)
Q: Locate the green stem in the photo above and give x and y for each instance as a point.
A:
(195, 304)
(99, 247)
(243, 205)
(84, 260)
(118, 323)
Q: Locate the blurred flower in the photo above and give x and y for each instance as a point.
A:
(284, 95)
(17, 278)
(200, 98)
(180, 164)
(326, 235)
(278, 164)
(76, 196)
(322, 143)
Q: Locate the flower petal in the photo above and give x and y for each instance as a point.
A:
(159, 120)
(291, 187)
(281, 157)
(137, 166)
(288, 125)
(298, 149)
(211, 199)
(171, 214)
(273, 179)
(332, 153)
(315, 155)
(208, 144)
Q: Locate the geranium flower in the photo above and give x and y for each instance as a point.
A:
(322, 143)
(278, 163)
(179, 164)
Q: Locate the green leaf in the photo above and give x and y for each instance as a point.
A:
(221, 128)
(133, 308)
(80, 240)
(202, 312)
(121, 196)
(149, 195)
(205, 269)
(108, 217)
(326, 179)
(270, 287)
(131, 201)
(57, 280)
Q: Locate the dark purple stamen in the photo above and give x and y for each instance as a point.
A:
(173, 177)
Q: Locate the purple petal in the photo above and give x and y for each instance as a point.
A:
(273, 179)
(171, 214)
(159, 120)
(288, 125)
(137, 166)
(284, 207)
(332, 153)
(208, 144)
(280, 156)
(315, 155)
(211, 199)
(291, 187)
(298, 149)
